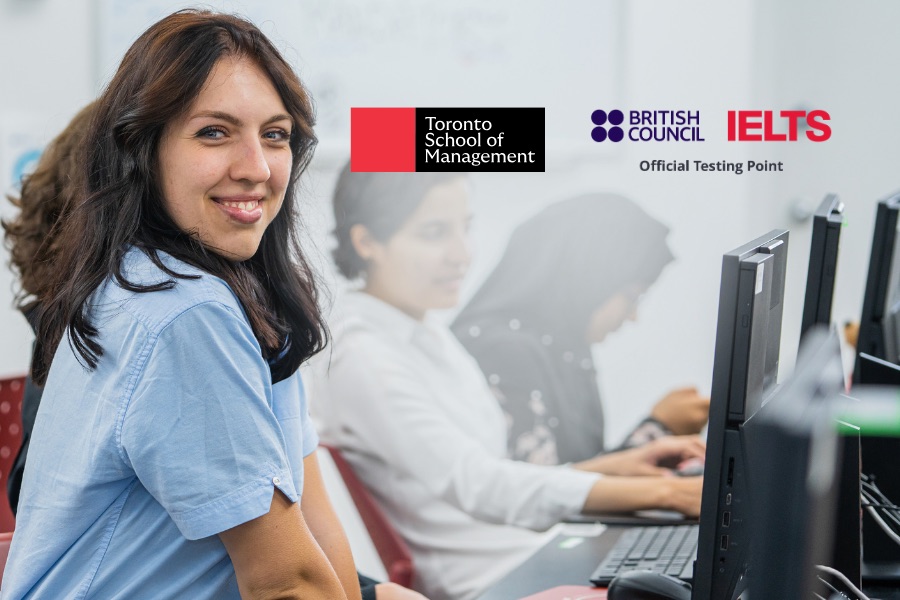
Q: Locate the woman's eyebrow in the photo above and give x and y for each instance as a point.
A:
(229, 118)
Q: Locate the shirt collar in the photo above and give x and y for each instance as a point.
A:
(385, 316)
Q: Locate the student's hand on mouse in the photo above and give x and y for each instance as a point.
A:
(683, 411)
(654, 458)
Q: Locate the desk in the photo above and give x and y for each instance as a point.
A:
(564, 562)
(556, 563)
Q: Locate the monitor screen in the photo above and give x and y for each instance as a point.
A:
(748, 336)
(879, 327)
(823, 254)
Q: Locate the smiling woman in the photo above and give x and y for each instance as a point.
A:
(226, 163)
(172, 454)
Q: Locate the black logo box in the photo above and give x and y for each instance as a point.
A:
(522, 128)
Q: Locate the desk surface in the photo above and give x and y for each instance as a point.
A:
(565, 561)
(558, 562)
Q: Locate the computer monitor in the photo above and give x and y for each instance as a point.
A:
(877, 349)
(879, 459)
(823, 253)
(748, 336)
(795, 461)
(879, 327)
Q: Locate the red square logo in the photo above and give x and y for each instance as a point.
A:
(383, 139)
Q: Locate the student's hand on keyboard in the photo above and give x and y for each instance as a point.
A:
(666, 453)
(656, 458)
(683, 494)
(682, 411)
(628, 494)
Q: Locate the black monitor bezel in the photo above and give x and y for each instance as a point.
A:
(828, 219)
(884, 238)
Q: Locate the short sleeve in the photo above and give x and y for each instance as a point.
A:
(199, 430)
(292, 411)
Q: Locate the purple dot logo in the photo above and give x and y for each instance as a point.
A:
(614, 133)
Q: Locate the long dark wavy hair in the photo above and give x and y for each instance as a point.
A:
(159, 78)
(47, 196)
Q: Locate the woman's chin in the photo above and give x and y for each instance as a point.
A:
(446, 300)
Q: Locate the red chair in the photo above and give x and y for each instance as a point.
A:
(5, 541)
(391, 548)
(11, 392)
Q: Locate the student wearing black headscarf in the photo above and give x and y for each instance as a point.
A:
(570, 275)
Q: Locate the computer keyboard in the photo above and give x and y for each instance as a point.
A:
(669, 549)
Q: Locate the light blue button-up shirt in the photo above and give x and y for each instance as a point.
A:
(176, 436)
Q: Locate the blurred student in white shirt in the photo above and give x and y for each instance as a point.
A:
(415, 417)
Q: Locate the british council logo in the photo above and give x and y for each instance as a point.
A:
(607, 126)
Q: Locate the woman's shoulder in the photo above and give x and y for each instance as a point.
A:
(192, 287)
(369, 335)
(361, 316)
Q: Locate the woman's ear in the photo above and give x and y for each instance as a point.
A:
(363, 242)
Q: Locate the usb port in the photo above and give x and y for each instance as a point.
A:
(724, 544)
(730, 471)
(726, 518)
(728, 499)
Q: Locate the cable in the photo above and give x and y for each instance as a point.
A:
(877, 497)
(869, 500)
(884, 526)
(833, 589)
(885, 513)
(889, 509)
(844, 580)
(886, 508)
(872, 487)
(875, 489)
(828, 583)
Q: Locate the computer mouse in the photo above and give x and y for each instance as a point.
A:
(647, 585)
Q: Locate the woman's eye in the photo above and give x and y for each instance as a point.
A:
(278, 135)
(211, 133)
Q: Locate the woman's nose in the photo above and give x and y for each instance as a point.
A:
(250, 164)
(460, 250)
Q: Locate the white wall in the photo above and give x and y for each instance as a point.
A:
(841, 57)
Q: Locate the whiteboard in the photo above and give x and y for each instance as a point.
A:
(423, 53)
